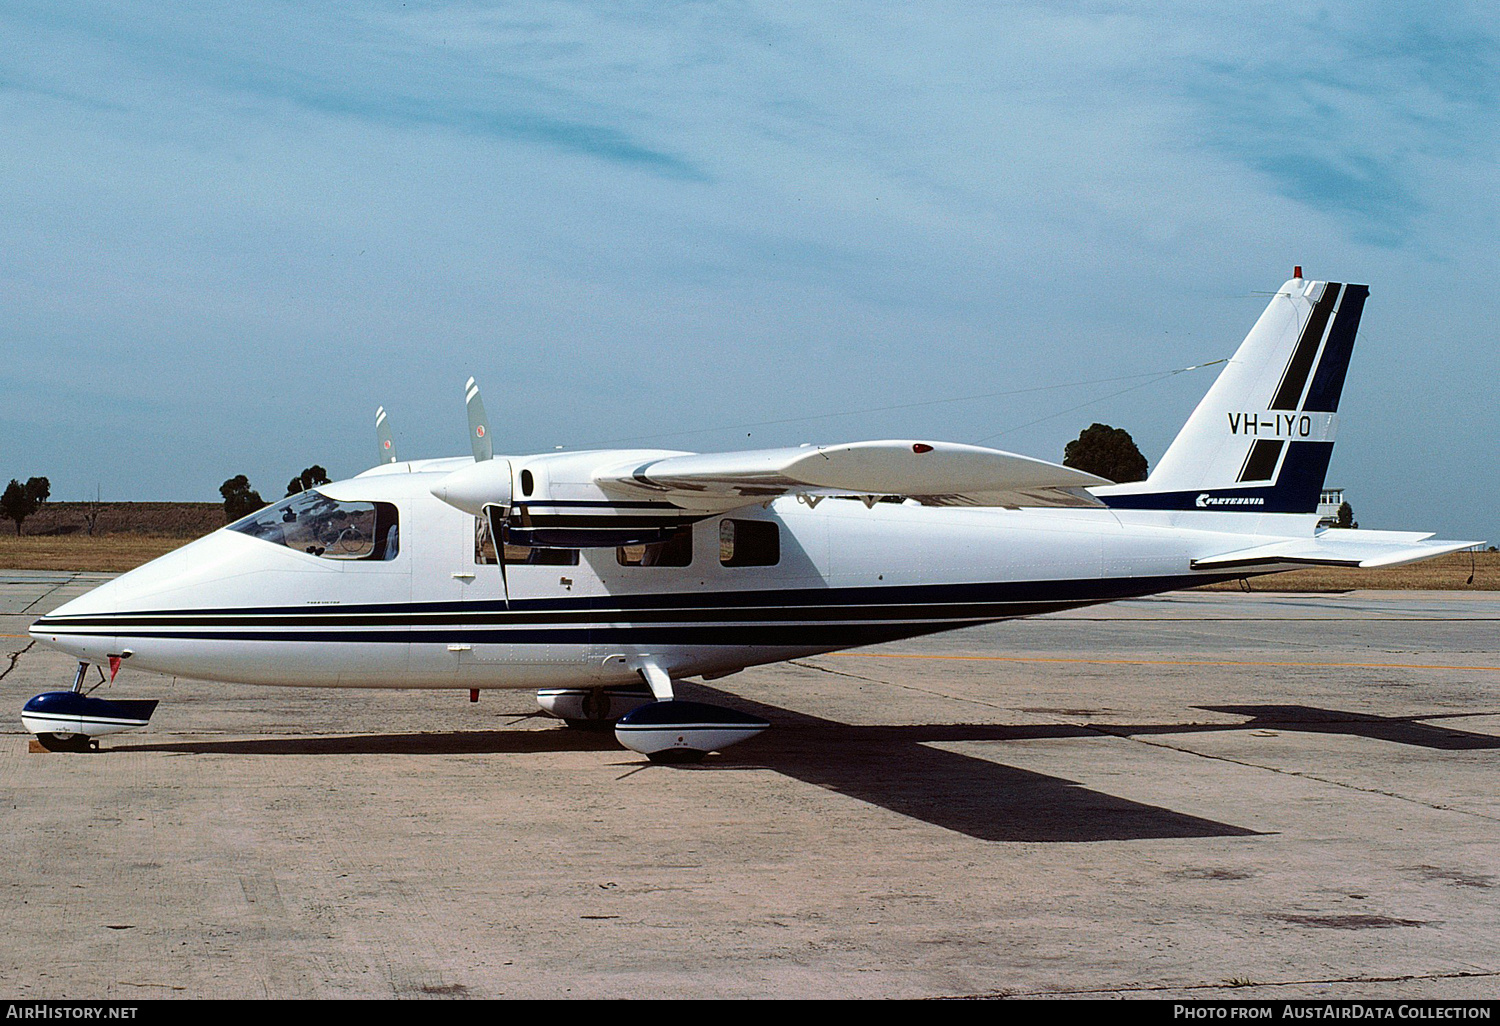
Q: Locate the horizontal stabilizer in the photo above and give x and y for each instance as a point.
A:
(948, 473)
(1335, 547)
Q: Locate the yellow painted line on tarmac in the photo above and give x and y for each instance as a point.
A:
(1155, 662)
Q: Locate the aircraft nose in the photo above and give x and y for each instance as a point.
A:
(87, 627)
(80, 627)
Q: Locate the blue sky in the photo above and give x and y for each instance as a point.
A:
(228, 232)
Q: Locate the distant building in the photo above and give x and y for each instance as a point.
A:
(1328, 506)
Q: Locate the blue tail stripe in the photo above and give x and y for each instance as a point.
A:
(1295, 376)
(1328, 380)
(1296, 489)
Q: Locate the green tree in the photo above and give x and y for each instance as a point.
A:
(22, 500)
(1107, 451)
(240, 500)
(1346, 516)
(309, 478)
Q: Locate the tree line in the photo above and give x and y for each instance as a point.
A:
(240, 500)
(1099, 449)
(21, 501)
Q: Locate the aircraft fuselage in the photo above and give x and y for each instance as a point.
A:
(238, 608)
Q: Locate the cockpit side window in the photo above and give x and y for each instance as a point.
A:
(311, 522)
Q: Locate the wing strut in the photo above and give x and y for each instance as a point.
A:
(659, 680)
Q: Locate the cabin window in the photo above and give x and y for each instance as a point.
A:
(675, 551)
(517, 555)
(527, 482)
(311, 522)
(749, 543)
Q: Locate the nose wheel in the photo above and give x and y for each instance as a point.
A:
(68, 742)
(72, 721)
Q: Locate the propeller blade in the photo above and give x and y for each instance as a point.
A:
(386, 443)
(479, 423)
(498, 517)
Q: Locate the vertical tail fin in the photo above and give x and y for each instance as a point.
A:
(1261, 438)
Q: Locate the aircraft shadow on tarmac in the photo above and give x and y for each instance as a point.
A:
(890, 767)
(897, 767)
(1405, 730)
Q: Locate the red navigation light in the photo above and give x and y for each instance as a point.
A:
(921, 447)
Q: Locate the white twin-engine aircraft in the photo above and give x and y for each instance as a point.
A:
(620, 572)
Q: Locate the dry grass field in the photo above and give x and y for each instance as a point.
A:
(79, 552)
(125, 534)
(168, 519)
(1441, 574)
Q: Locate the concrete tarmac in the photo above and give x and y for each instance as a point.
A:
(1208, 795)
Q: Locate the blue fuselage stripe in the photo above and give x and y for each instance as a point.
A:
(844, 615)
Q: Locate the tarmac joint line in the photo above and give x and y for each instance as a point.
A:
(1286, 772)
(60, 584)
(894, 684)
(1154, 662)
(14, 658)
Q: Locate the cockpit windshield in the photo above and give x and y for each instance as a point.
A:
(311, 522)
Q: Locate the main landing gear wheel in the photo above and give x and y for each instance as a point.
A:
(684, 732)
(677, 756)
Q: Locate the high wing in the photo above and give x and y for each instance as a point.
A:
(1335, 547)
(935, 473)
(583, 499)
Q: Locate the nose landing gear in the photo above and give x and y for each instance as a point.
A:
(71, 721)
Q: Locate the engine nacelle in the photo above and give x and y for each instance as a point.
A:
(473, 488)
(600, 706)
